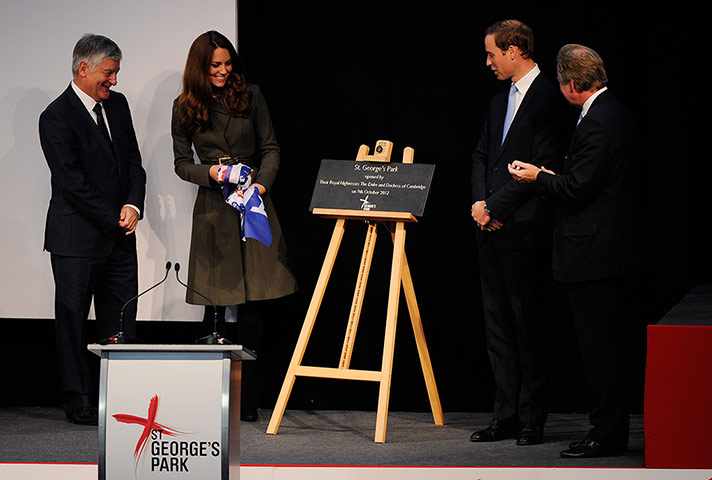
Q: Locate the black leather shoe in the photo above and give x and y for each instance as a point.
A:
(83, 416)
(530, 434)
(497, 430)
(589, 449)
(249, 415)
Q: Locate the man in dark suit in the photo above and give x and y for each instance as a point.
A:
(525, 121)
(594, 238)
(98, 189)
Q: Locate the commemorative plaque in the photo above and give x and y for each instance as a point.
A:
(377, 191)
(374, 186)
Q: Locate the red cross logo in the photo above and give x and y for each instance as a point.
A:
(149, 424)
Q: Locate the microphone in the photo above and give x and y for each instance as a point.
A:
(215, 337)
(121, 337)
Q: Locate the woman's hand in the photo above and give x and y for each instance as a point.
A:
(214, 175)
(214, 172)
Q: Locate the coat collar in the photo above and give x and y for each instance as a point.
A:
(591, 99)
(217, 105)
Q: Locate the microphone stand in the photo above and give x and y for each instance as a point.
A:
(215, 337)
(121, 337)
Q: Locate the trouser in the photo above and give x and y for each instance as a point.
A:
(111, 281)
(514, 300)
(598, 310)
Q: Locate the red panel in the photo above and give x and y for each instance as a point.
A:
(678, 397)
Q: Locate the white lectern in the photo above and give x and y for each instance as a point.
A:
(170, 411)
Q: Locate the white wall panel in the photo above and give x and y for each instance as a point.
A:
(36, 42)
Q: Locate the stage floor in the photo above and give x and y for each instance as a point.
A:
(320, 437)
(36, 442)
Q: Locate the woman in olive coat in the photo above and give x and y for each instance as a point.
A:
(220, 118)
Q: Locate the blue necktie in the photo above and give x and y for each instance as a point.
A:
(511, 104)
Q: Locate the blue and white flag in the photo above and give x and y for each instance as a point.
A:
(254, 219)
(238, 175)
(236, 181)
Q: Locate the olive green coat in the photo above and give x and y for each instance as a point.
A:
(221, 265)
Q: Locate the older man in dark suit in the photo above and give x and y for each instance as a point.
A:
(594, 238)
(98, 189)
(525, 121)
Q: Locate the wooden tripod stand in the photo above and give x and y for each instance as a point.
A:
(400, 275)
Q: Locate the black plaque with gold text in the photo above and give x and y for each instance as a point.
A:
(377, 186)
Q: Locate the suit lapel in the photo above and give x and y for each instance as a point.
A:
(221, 118)
(81, 112)
(531, 91)
(114, 126)
(597, 102)
(498, 119)
(528, 97)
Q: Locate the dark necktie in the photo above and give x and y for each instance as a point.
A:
(100, 122)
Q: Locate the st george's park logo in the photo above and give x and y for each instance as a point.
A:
(166, 455)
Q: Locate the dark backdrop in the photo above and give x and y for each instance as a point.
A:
(340, 74)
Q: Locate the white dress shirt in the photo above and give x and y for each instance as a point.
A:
(587, 103)
(89, 103)
(523, 85)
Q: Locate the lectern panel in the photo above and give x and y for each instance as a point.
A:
(169, 412)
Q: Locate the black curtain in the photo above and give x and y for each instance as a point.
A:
(340, 74)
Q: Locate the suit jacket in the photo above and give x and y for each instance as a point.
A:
(91, 181)
(594, 219)
(537, 135)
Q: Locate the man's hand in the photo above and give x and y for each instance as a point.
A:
(479, 214)
(524, 172)
(492, 226)
(128, 220)
(482, 218)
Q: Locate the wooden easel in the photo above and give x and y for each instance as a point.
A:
(400, 274)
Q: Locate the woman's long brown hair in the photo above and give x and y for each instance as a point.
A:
(192, 106)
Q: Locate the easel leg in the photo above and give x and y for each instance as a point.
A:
(307, 327)
(423, 353)
(390, 336)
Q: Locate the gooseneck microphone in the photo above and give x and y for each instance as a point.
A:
(215, 337)
(121, 337)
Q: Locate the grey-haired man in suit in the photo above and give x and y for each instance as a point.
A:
(98, 189)
(594, 238)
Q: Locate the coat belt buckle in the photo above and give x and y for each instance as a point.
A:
(224, 160)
